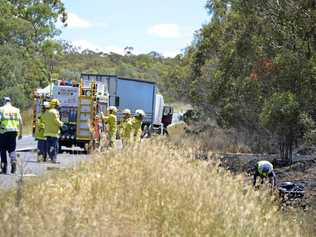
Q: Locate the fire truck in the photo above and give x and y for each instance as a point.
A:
(79, 106)
(82, 104)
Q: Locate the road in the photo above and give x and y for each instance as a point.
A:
(27, 161)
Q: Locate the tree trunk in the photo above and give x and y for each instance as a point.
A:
(286, 149)
(289, 149)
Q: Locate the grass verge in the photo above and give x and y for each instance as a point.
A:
(156, 189)
(27, 122)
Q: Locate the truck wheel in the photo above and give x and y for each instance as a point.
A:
(88, 148)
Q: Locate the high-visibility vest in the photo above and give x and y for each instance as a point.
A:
(10, 118)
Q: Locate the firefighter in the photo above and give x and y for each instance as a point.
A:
(10, 127)
(39, 135)
(111, 121)
(51, 119)
(126, 127)
(137, 125)
(264, 169)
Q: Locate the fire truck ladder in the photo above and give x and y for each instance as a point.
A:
(86, 112)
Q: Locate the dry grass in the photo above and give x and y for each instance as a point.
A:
(27, 122)
(156, 189)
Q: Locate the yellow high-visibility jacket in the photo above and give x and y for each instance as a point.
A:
(40, 129)
(137, 129)
(111, 121)
(52, 123)
(126, 130)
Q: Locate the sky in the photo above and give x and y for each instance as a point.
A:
(164, 26)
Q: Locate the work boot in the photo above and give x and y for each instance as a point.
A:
(13, 168)
(44, 158)
(3, 168)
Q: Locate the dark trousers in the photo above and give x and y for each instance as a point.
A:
(42, 148)
(52, 147)
(8, 144)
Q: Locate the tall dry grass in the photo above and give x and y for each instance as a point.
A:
(154, 189)
(27, 122)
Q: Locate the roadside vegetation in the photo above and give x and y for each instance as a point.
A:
(156, 189)
(253, 68)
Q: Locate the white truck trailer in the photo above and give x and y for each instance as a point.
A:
(133, 94)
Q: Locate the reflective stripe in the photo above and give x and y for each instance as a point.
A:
(10, 119)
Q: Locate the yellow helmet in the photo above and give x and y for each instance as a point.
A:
(54, 103)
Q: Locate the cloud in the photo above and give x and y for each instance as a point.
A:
(165, 31)
(75, 21)
(84, 44)
(171, 54)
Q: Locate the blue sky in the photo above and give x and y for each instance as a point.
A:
(165, 26)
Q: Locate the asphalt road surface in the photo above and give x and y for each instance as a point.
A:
(28, 165)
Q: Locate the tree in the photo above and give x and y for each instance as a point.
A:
(26, 28)
(281, 115)
(51, 51)
(250, 51)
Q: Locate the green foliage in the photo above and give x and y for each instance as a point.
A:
(251, 55)
(281, 114)
(169, 73)
(25, 46)
(310, 137)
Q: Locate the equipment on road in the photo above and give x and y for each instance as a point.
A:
(291, 191)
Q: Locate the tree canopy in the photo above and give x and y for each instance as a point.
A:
(251, 53)
(26, 27)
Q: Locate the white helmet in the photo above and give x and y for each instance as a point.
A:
(112, 108)
(46, 104)
(140, 112)
(126, 111)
